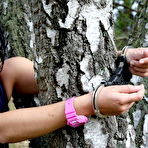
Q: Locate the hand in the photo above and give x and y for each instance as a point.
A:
(138, 60)
(117, 99)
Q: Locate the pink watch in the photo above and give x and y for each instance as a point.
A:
(73, 119)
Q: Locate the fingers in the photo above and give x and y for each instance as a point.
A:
(142, 63)
(145, 52)
(127, 88)
(126, 98)
(138, 60)
(136, 53)
(130, 105)
(139, 71)
(140, 67)
(142, 70)
(115, 100)
(125, 108)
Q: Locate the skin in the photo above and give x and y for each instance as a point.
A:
(19, 73)
(138, 60)
(112, 100)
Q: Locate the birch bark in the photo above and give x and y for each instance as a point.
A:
(71, 44)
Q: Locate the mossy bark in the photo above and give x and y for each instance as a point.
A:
(71, 44)
(138, 114)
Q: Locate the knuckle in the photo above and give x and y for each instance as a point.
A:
(120, 113)
(130, 87)
(145, 75)
(121, 102)
(139, 97)
(121, 109)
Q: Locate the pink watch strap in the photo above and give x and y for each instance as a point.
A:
(73, 119)
(69, 106)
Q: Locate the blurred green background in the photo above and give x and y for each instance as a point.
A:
(124, 19)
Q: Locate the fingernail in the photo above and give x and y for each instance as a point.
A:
(141, 61)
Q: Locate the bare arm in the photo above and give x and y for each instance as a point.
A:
(18, 76)
(27, 123)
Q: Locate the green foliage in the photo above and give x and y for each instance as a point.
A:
(124, 20)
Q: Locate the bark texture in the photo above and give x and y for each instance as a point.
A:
(71, 44)
(139, 113)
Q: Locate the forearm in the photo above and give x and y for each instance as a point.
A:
(28, 123)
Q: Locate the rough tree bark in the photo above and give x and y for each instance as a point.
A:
(139, 113)
(71, 44)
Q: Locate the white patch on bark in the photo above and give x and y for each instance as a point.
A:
(88, 82)
(136, 79)
(51, 33)
(90, 85)
(59, 91)
(93, 15)
(5, 6)
(73, 7)
(146, 98)
(146, 26)
(94, 135)
(29, 23)
(31, 29)
(130, 137)
(84, 65)
(60, 94)
(69, 144)
(145, 133)
(136, 117)
(32, 36)
(39, 59)
(62, 76)
(37, 101)
(145, 44)
(130, 142)
(48, 7)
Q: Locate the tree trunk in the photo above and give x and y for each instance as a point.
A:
(139, 113)
(71, 44)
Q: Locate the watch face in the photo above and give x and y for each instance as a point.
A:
(73, 119)
(78, 120)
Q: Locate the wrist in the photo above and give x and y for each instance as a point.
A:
(123, 51)
(95, 103)
(83, 105)
(73, 119)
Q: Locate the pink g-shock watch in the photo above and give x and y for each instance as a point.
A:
(73, 119)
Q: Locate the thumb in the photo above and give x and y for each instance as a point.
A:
(145, 52)
(129, 88)
(144, 56)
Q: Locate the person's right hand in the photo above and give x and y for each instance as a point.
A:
(117, 99)
(138, 60)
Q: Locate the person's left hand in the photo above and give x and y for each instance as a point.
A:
(138, 60)
(118, 99)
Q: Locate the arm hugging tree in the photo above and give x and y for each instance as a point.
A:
(71, 44)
